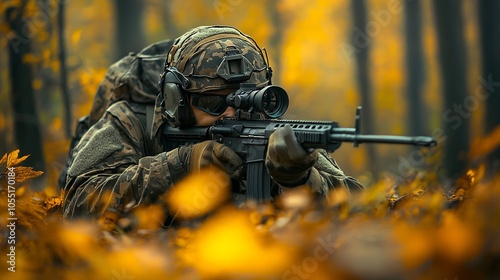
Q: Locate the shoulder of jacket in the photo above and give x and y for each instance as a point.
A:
(132, 117)
(128, 116)
(126, 106)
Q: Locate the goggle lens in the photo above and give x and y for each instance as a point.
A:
(209, 103)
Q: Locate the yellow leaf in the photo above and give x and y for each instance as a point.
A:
(464, 244)
(337, 197)
(198, 194)
(52, 202)
(133, 262)
(219, 251)
(150, 217)
(13, 159)
(417, 244)
(20, 191)
(78, 238)
(25, 173)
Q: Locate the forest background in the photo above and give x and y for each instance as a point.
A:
(429, 67)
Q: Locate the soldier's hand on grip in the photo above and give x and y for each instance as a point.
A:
(197, 156)
(287, 161)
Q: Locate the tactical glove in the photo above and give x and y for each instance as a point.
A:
(287, 161)
(197, 156)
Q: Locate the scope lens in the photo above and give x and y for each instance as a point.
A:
(272, 101)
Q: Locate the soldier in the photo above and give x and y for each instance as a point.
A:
(123, 155)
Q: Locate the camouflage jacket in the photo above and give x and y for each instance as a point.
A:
(119, 164)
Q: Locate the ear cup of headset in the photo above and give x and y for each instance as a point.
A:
(177, 109)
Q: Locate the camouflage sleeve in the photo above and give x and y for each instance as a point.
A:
(326, 175)
(110, 169)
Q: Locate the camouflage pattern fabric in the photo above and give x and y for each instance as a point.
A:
(134, 77)
(116, 163)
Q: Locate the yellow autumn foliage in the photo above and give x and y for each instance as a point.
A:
(413, 230)
(21, 173)
(228, 245)
(199, 194)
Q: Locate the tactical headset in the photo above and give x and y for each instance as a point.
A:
(234, 68)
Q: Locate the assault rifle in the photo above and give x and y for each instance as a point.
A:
(257, 118)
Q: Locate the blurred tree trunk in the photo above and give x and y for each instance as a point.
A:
(415, 68)
(453, 73)
(489, 19)
(363, 78)
(64, 70)
(276, 39)
(170, 26)
(26, 122)
(129, 27)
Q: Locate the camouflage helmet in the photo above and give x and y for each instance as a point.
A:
(204, 55)
(207, 59)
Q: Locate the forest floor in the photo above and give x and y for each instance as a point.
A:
(390, 231)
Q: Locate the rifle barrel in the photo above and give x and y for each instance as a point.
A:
(425, 141)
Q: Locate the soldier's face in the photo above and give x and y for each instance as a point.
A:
(206, 119)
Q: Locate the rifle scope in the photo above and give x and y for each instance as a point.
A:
(272, 101)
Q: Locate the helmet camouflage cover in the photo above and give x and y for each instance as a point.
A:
(200, 52)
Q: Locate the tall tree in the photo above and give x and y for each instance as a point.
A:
(489, 19)
(168, 22)
(414, 68)
(362, 44)
(453, 74)
(26, 122)
(64, 70)
(129, 26)
(276, 39)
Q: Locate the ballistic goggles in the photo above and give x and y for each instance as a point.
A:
(211, 104)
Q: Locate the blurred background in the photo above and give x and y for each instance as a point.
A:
(417, 68)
